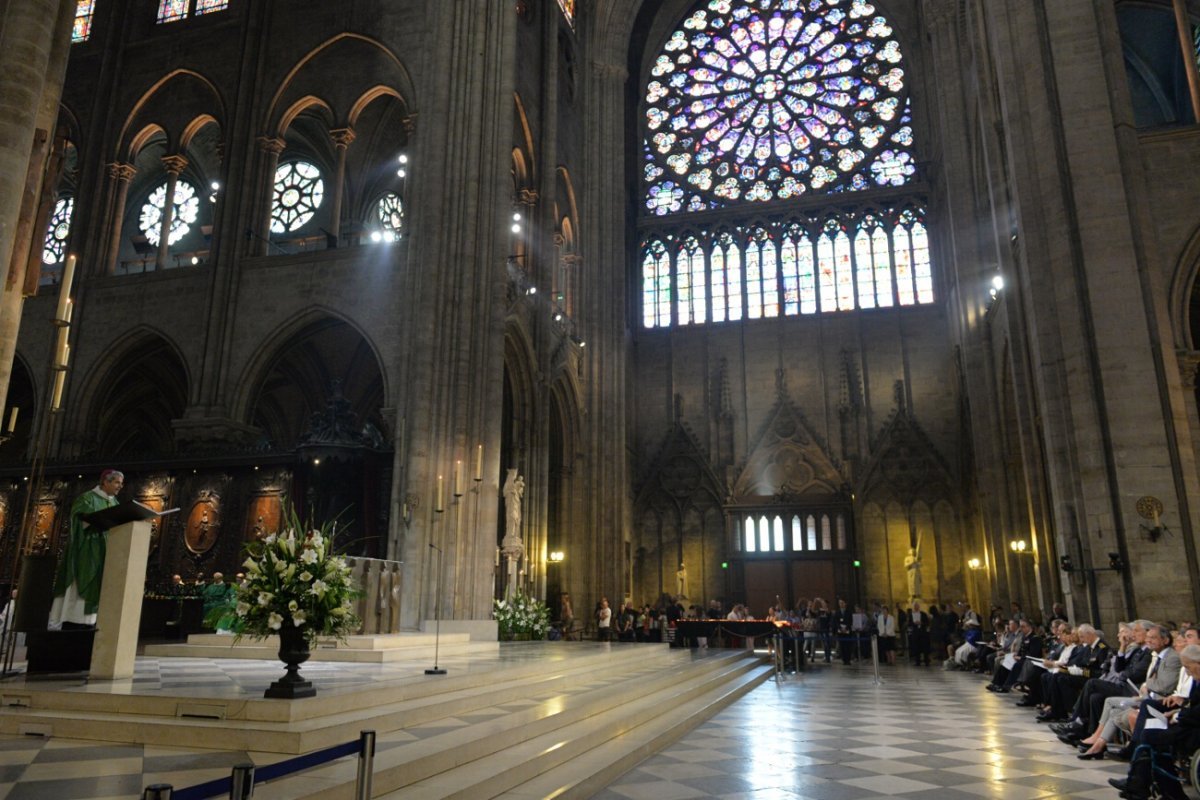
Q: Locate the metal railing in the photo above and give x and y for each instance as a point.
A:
(240, 784)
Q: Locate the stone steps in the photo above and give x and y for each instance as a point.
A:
(300, 726)
(564, 742)
(377, 649)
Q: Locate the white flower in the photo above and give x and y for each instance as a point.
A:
(319, 588)
(274, 621)
(340, 611)
(298, 618)
(242, 609)
(264, 598)
(289, 572)
(306, 576)
(280, 566)
(309, 556)
(250, 564)
(293, 605)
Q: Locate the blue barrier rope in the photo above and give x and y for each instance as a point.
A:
(221, 786)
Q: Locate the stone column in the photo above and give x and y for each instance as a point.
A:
(174, 166)
(342, 137)
(271, 148)
(1184, 25)
(35, 41)
(121, 175)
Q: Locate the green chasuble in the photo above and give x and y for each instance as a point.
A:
(83, 561)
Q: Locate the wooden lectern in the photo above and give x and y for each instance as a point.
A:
(127, 551)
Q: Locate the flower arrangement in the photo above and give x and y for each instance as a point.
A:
(295, 580)
(521, 615)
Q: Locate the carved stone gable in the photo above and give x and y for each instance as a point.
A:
(788, 460)
(905, 465)
(680, 474)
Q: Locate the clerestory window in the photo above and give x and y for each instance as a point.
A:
(758, 116)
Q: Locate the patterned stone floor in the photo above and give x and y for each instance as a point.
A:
(833, 735)
(829, 734)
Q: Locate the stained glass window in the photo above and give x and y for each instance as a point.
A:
(751, 539)
(755, 101)
(797, 536)
(55, 246)
(568, 11)
(175, 10)
(777, 538)
(299, 191)
(854, 261)
(84, 9)
(172, 10)
(187, 209)
(391, 212)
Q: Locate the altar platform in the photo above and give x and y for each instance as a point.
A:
(575, 713)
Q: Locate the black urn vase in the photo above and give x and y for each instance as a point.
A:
(293, 651)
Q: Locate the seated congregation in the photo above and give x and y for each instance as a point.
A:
(1136, 699)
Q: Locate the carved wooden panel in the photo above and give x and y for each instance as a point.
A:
(203, 523)
(264, 516)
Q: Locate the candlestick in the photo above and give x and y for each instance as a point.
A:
(60, 349)
(479, 463)
(64, 289)
(1155, 511)
(12, 419)
(59, 378)
(440, 495)
(70, 309)
(458, 478)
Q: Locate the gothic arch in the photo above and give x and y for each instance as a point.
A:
(1184, 291)
(133, 393)
(364, 56)
(308, 102)
(173, 104)
(520, 363)
(304, 323)
(787, 457)
(523, 137)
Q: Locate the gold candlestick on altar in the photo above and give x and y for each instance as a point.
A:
(458, 475)
(479, 464)
(438, 504)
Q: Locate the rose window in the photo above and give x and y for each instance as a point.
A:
(298, 194)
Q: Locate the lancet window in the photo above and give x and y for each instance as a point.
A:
(754, 105)
(816, 532)
(175, 10)
(187, 209)
(82, 30)
(55, 246)
(390, 211)
(299, 191)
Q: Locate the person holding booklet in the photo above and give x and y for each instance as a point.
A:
(77, 582)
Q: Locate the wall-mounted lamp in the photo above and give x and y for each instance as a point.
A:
(974, 563)
(1018, 546)
(555, 557)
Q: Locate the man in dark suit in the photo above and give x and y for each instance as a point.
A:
(1031, 674)
(843, 621)
(918, 634)
(1005, 673)
(1157, 736)
(1090, 702)
(1086, 662)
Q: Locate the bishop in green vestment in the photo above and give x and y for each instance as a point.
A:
(77, 584)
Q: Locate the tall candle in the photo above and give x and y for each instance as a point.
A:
(1155, 510)
(440, 495)
(12, 419)
(60, 349)
(479, 463)
(458, 478)
(59, 379)
(64, 289)
(70, 308)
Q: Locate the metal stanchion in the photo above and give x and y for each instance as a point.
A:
(241, 782)
(875, 658)
(366, 765)
(157, 791)
(778, 657)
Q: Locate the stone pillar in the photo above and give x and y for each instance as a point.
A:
(121, 175)
(174, 166)
(342, 137)
(35, 41)
(271, 148)
(1184, 25)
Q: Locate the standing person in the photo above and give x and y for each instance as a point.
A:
(77, 583)
(567, 615)
(918, 635)
(902, 620)
(885, 622)
(824, 626)
(604, 621)
(843, 621)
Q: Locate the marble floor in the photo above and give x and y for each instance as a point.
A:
(828, 734)
(832, 734)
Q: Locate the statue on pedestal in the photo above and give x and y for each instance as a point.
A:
(512, 547)
(681, 581)
(912, 564)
